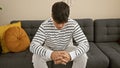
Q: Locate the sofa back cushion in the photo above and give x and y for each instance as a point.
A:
(31, 26)
(107, 30)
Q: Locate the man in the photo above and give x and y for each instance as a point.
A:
(53, 40)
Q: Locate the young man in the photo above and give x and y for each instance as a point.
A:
(53, 40)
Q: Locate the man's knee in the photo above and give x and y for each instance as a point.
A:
(82, 58)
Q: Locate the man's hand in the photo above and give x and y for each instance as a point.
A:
(60, 57)
(66, 56)
(55, 55)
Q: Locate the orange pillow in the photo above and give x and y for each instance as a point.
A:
(16, 39)
(3, 28)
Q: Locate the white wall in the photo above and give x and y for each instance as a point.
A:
(41, 9)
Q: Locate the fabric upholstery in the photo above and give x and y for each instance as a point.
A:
(107, 30)
(112, 50)
(97, 59)
(16, 60)
(16, 39)
(107, 35)
(2, 30)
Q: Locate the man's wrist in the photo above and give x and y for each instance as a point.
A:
(72, 55)
(49, 53)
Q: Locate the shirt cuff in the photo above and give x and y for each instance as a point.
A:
(48, 54)
(73, 55)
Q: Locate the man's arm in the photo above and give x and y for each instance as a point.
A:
(37, 42)
(80, 38)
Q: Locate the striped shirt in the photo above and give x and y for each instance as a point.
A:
(58, 39)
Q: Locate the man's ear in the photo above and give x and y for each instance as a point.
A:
(52, 16)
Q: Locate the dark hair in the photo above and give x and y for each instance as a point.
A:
(60, 12)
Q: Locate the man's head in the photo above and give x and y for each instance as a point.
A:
(60, 12)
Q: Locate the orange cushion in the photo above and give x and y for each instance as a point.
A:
(3, 28)
(16, 39)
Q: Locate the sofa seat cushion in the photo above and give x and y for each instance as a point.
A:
(16, 60)
(96, 58)
(112, 50)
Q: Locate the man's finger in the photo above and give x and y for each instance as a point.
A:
(63, 63)
(64, 60)
(58, 58)
(57, 62)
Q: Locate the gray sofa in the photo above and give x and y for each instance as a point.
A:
(107, 38)
(102, 34)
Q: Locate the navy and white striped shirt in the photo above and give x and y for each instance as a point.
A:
(56, 39)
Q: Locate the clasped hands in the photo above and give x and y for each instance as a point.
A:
(60, 57)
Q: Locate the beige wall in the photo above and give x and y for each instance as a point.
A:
(40, 9)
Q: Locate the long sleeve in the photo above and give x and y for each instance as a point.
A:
(82, 42)
(37, 42)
